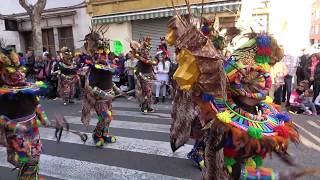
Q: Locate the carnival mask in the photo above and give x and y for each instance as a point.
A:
(248, 67)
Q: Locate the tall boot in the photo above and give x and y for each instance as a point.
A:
(29, 172)
(98, 137)
(196, 154)
(163, 98)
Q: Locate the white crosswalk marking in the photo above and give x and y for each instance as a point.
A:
(141, 115)
(310, 134)
(72, 169)
(125, 124)
(124, 143)
(312, 123)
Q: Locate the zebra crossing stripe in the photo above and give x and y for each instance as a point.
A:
(309, 144)
(140, 115)
(312, 123)
(309, 133)
(162, 128)
(159, 148)
(72, 169)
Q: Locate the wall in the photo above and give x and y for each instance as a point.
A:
(10, 37)
(81, 27)
(102, 7)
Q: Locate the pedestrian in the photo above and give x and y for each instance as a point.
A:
(295, 99)
(130, 65)
(278, 73)
(301, 66)
(39, 68)
(30, 61)
(22, 59)
(162, 76)
(312, 73)
(292, 64)
(307, 102)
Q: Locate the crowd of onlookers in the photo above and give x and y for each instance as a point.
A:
(296, 82)
(42, 68)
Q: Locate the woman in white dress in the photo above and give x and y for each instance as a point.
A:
(162, 75)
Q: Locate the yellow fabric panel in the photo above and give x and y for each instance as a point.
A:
(188, 72)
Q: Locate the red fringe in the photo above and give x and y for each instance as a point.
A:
(264, 51)
(282, 131)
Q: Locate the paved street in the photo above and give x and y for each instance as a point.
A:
(142, 150)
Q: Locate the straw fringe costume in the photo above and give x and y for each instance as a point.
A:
(99, 90)
(144, 73)
(68, 77)
(19, 129)
(241, 125)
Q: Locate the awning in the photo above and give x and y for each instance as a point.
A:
(166, 12)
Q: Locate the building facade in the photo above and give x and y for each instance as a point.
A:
(64, 23)
(134, 19)
(315, 23)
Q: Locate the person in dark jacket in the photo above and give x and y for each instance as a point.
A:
(302, 63)
(312, 73)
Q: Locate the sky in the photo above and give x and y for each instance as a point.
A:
(13, 6)
(290, 22)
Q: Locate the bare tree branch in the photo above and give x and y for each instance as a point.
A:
(41, 4)
(34, 12)
(28, 7)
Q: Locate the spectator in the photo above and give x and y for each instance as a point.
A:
(278, 72)
(292, 64)
(302, 63)
(45, 51)
(130, 65)
(306, 102)
(22, 59)
(39, 68)
(295, 100)
(51, 78)
(30, 60)
(312, 73)
(162, 76)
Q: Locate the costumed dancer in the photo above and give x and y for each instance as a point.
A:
(20, 116)
(99, 90)
(67, 76)
(241, 126)
(144, 73)
(185, 112)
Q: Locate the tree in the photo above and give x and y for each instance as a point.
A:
(34, 11)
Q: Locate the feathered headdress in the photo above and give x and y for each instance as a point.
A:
(12, 75)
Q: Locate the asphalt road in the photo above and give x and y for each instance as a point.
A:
(142, 150)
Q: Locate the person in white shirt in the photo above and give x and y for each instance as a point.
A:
(162, 76)
(129, 65)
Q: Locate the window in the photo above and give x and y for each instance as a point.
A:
(11, 25)
(48, 40)
(66, 37)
